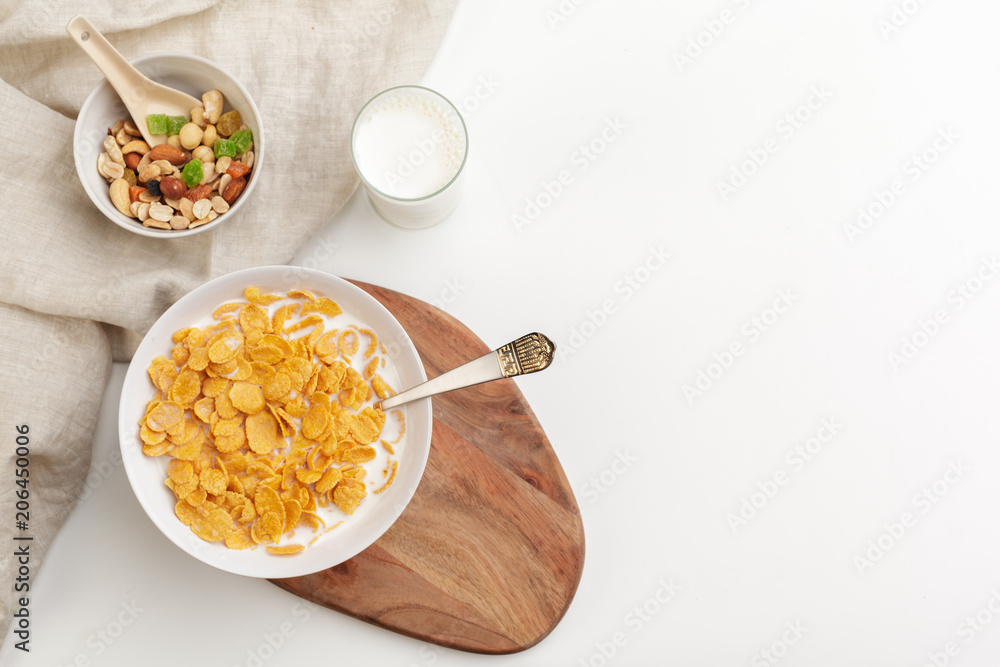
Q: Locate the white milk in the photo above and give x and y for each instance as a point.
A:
(409, 145)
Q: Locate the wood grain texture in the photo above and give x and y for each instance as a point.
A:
(489, 552)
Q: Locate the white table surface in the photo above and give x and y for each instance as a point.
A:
(878, 547)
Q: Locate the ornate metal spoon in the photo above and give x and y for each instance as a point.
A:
(527, 354)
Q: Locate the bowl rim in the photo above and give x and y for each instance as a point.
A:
(167, 523)
(104, 204)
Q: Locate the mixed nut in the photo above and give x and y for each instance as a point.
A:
(188, 181)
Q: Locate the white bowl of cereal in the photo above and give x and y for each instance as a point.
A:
(116, 167)
(249, 438)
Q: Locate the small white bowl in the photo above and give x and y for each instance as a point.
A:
(376, 513)
(103, 107)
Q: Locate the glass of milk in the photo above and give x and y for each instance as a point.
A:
(409, 145)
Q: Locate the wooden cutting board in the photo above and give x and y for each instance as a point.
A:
(488, 554)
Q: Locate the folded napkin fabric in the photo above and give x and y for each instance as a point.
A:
(77, 291)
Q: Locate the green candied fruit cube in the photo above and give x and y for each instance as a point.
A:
(157, 123)
(224, 147)
(192, 173)
(175, 123)
(243, 139)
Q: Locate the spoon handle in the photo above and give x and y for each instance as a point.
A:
(130, 85)
(527, 354)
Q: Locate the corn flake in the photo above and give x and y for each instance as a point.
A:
(392, 477)
(381, 387)
(214, 481)
(373, 343)
(307, 321)
(293, 512)
(326, 345)
(254, 317)
(286, 549)
(213, 527)
(362, 454)
(256, 422)
(226, 310)
(262, 432)
(323, 305)
(247, 397)
(347, 498)
(164, 415)
(283, 314)
(329, 480)
(238, 540)
(253, 295)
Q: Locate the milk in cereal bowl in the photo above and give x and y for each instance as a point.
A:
(249, 428)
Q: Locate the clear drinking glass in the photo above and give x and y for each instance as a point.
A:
(409, 144)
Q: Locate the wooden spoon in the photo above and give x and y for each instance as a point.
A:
(141, 95)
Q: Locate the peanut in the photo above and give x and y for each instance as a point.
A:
(212, 215)
(219, 205)
(115, 170)
(157, 224)
(187, 208)
(161, 212)
(201, 208)
(147, 197)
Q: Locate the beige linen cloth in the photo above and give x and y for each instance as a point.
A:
(76, 291)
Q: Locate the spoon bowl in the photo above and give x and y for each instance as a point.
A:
(182, 71)
(141, 95)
